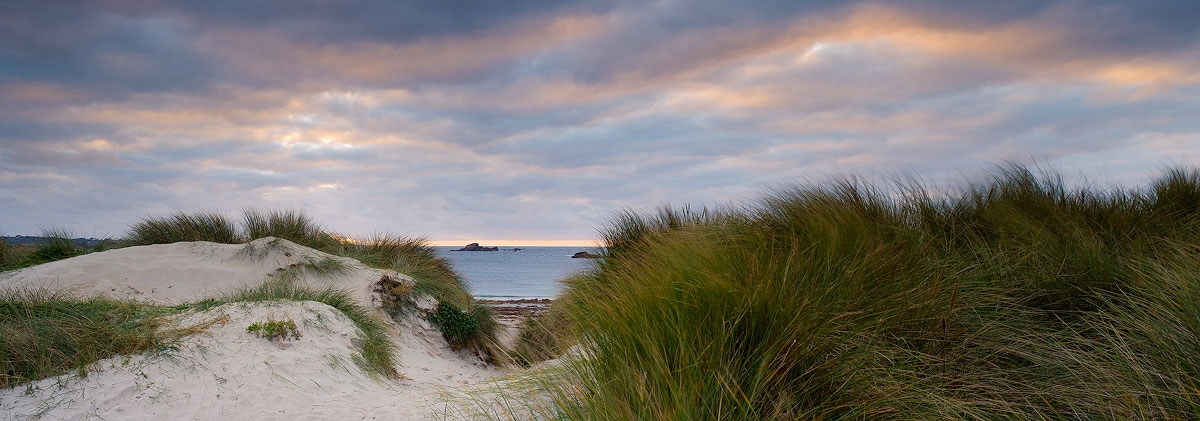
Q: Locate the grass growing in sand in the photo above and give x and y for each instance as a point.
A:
(376, 353)
(408, 255)
(1018, 299)
(197, 226)
(7, 254)
(44, 333)
(463, 322)
(292, 225)
(275, 330)
(473, 329)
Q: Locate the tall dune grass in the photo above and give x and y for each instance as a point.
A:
(291, 224)
(180, 226)
(44, 333)
(1021, 298)
(415, 257)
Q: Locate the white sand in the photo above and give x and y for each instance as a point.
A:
(226, 372)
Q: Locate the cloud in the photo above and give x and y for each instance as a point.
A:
(538, 120)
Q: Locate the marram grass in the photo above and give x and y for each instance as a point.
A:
(53, 345)
(1020, 298)
(45, 333)
(180, 226)
(292, 225)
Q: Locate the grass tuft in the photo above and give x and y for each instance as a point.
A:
(275, 330)
(291, 225)
(416, 258)
(45, 333)
(1019, 298)
(197, 226)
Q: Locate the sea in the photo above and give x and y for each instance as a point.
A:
(531, 272)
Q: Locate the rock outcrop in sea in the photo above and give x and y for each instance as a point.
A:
(477, 247)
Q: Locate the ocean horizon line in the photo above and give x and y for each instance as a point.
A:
(518, 243)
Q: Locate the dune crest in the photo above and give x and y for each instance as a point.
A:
(224, 371)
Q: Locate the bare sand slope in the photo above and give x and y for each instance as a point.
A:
(225, 372)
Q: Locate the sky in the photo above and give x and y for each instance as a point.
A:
(534, 122)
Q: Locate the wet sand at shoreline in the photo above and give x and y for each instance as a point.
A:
(511, 314)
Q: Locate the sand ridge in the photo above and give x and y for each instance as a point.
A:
(226, 372)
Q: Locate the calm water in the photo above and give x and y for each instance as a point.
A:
(530, 273)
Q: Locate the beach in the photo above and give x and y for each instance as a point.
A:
(511, 314)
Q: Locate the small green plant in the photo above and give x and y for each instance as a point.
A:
(457, 326)
(276, 330)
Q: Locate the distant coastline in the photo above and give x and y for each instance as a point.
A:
(31, 240)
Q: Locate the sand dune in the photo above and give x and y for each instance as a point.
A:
(225, 372)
